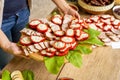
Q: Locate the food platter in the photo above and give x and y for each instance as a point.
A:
(36, 54)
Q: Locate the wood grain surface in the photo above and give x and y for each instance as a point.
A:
(38, 68)
(102, 64)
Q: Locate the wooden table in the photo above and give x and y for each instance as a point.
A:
(102, 64)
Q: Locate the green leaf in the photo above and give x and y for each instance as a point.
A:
(94, 41)
(92, 32)
(6, 75)
(93, 38)
(83, 49)
(54, 64)
(28, 75)
(75, 58)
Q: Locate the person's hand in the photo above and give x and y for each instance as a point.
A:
(72, 12)
(65, 8)
(14, 49)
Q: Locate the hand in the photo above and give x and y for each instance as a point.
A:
(14, 49)
(65, 8)
(73, 12)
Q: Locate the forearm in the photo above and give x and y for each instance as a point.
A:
(62, 4)
(4, 42)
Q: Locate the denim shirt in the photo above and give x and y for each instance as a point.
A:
(2, 6)
(13, 6)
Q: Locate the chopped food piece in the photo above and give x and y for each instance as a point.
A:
(116, 22)
(37, 46)
(106, 21)
(25, 41)
(36, 39)
(42, 28)
(34, 23)
(77, 32)
(73, 45)
(33, 49)
(51, 50)
(54, 27)
(25, 51)
(107, 27)
(57, 19)
(93, 26)
(42, 45)
(47, 44)
(94, 18)
(62, 53)
(50, 36)
(59, 33)
(83, 36)
(75, 26)
(50, 54)
(59, 45)
(28, 31)
(67, 39)
(70, 32)
(105, 16)
(43, 52)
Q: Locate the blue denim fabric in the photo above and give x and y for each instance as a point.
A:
(11, 27)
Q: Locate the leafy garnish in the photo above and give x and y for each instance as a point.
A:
(75, 58)
(6, 75)
(54, 64)
(93, 38)
(28, 75)
(84, 49)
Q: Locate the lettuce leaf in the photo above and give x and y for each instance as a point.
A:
(6, 75)
(84, 49)
(75, 58)
(54, 64)
(28, 75)
(93, 38)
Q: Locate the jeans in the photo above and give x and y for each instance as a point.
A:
(11, 27)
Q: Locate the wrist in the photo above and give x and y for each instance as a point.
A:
(66, 9)
(6, 46)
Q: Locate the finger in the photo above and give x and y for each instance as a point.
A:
(77, 15)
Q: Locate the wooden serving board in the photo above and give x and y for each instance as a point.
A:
(102, 64)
